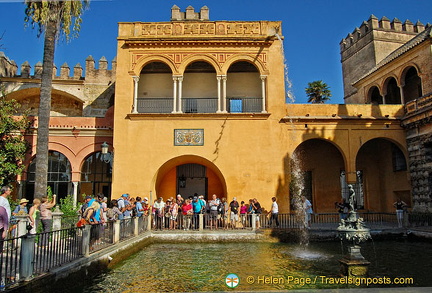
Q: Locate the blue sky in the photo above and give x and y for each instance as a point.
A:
(312, 30)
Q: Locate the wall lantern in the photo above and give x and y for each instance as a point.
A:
(107, 157)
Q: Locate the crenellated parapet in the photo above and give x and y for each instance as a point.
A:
(384, 24)
(369, 44)
(101, 74)
(189, 14)
(8, 68)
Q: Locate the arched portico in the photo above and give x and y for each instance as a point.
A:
(317, 166)
(382, 167)
(176, 174)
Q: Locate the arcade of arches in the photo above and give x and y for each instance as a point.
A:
(393, 92)
(380, 164)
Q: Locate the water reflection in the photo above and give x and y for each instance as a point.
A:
(203, 267)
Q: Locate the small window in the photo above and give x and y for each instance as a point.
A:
(399, 163)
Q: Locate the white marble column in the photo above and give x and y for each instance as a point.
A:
(180, 90)
(219, 77)
(224, 98)
(174, 94)
(135, 97)
(75, 193)
(263, 93)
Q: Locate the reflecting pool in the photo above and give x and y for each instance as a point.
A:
(260, 267)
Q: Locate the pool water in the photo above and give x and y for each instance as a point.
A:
(259, 267)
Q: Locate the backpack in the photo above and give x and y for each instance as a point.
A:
(221, 208)
(110, 214)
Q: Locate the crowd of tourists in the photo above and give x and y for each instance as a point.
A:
(183, 213)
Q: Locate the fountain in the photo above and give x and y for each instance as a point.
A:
(353, 230)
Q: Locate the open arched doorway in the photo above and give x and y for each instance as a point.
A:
(187, 175)
(315, 173)
(384, 171)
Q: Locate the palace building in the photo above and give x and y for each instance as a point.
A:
(193, 105)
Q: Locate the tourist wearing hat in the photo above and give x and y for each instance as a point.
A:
(21, 209)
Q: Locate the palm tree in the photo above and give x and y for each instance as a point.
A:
(53, 19)
(318, 92)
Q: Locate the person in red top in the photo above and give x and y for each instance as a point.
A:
(187, 211)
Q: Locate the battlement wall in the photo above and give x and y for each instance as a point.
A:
(384, 24)
(91, 75)
(8, 68)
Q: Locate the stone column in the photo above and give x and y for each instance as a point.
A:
(174, 94)
(263, 93)
(402, 94)
(75, 193)
(180, 90)
(224, 98)
(135, 97)
(219, 77)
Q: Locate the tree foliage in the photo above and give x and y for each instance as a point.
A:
(318, 92)
(13, 147)
(64, 14)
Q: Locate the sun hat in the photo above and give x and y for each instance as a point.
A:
(23, 200)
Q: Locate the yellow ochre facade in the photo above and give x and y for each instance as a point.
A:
(200, 106)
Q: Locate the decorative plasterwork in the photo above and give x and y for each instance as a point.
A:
(178, 58)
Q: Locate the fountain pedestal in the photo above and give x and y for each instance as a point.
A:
(352, 230)
(354, 264)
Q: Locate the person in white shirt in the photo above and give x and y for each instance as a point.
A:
(274, 210)
(4, 202)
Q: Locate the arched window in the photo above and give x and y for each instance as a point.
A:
(59, 175)
(393, 95)
(200, 93)
(244, 91)
(375, 97)
(96, 176)
(412, 88)
(155, 89)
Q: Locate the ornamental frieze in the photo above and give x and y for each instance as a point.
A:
(199, 28)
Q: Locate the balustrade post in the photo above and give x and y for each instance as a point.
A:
(85, 248)
(149, 222)
(57, 216)
(136, 226)
(201, 222)
(116, 231)
(26, 257)
(254, 218)
(21, 225)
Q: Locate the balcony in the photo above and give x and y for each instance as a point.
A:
(417, 105)
(199, 105)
